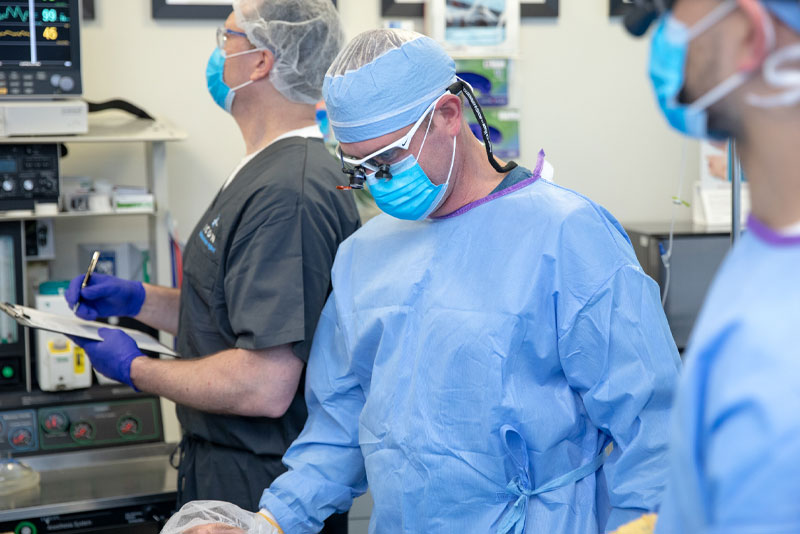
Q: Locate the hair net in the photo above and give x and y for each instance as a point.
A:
(786, 10)
(384, 80)
(304, 35)
(197, 513)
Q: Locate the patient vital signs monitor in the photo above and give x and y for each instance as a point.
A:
(40, 49)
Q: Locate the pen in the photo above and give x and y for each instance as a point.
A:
(89, 271)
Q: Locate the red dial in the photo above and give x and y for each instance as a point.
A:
(21, 437)
(82, 431)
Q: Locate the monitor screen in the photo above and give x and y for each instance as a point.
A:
(40, 47)
(8, 289)
(8, 165)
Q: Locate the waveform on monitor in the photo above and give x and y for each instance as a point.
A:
(13, 33)
(14, 12)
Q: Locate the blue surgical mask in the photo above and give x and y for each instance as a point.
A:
(215, 70)
(669, 51)
(409, 194)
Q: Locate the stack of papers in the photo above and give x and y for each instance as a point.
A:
(73, 326)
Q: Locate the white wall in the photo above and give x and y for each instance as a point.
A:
(580, 83)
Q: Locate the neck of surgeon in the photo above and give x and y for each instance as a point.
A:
(263, 114)
(769, 146)
(473, 176)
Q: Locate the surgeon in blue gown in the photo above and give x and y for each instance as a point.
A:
(489, 339)
(735, 446)
(492, 358)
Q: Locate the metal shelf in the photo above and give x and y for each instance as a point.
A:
(110, 127)
(72, 215)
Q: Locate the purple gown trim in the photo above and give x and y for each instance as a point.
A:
(767, 234)
(537, 173)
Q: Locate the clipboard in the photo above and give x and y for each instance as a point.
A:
(76, 327)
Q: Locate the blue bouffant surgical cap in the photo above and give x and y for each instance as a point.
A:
(786, 10)
(383, 81)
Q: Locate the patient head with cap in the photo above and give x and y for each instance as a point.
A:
(388, 84)
(293, 42)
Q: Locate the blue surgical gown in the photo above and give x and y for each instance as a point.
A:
(528, 312)
(735, 448)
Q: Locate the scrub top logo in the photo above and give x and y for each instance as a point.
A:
(208, 235)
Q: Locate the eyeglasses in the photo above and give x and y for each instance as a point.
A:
(222, 36)
(385, 154)
(378, 162)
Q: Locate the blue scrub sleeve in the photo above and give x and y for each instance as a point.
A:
(618, 354)
(750, 438)
(326, 468)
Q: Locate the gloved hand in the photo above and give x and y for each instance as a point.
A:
(217, 517)
(105, 296)
(644, 525)
(113, 356)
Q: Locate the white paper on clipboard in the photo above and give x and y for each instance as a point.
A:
(73, 326)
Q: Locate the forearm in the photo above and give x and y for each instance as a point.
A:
(234, 381)
(161, 308)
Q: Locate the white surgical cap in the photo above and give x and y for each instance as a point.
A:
(384, 80)
(304, 36)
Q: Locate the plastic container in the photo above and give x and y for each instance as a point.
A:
(16, 476)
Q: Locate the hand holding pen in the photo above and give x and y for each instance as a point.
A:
(89, 271)
(104, 296)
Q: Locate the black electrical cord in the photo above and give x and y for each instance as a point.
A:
(122, 105)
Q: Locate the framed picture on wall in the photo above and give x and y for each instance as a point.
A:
(468, 29)
(413, 8)
(402, 8)
(193, 9)
(538, 8)
(619, 7)
(88, 10)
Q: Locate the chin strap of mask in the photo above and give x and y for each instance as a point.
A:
(463, 87)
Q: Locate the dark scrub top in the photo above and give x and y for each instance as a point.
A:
(256, 275)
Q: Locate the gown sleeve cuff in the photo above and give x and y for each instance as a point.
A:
(283, 515)
(270, 519)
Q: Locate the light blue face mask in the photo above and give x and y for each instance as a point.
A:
(669, 51)
(409, 194)
(215, 70)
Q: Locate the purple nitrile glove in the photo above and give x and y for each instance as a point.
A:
(105, 296)
(113, 356)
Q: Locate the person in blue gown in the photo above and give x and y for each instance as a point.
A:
(492, 358)
(732, 69)
(487, 338)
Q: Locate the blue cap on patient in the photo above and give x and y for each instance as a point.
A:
(786, 10)
(383, 81)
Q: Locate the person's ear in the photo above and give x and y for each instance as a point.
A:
(264, 66)
(451, 113)
(760, 37)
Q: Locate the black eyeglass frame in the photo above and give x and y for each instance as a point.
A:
(358, 174)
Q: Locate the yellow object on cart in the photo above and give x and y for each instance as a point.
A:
(644, 525)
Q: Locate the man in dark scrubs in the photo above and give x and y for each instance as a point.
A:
(256, 267)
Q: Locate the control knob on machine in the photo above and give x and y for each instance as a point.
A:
(82, 431)
(128, 426)
(21, 438)
(66, 83)
(55, 422)
(8, 186)
(27, 185)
